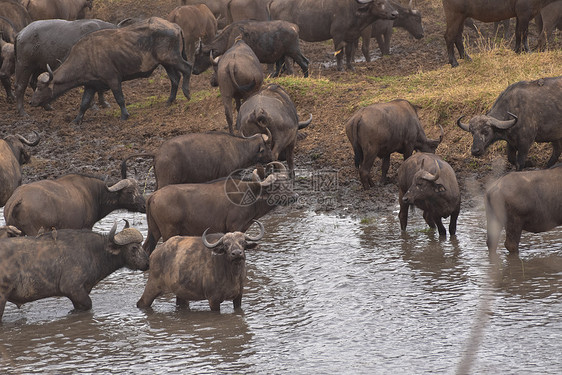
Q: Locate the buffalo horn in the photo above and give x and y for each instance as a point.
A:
(207, 243)
(30, 143)
(255, 176)
(260, 234)
(120, 185)
(50, 71)
(126, 223)
(461, 125)
(127, 236)
(364, 1)
(506, 124)
(12, 230)
(269, 180)
(432, 177)
(112, 231)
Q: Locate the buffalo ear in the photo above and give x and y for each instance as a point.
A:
(251, 245)
(439, 188)
(219, 250)
(113, 249)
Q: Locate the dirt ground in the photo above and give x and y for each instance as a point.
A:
(98, 145)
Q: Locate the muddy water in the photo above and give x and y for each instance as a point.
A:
(325, 294)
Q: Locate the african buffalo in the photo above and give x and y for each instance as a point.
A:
(429, 183)
(12, 156)
(217, 7)
(456, 11)
(7, 231)
(530, 201)
(69, 202)
(202, 157)
(271, 111)
(7, 68)
(7, 30)
(61, 9)
(197, 23)
(44, 43)
(408, 18)
(224, 205)
(239, 75)
(524, 113)
(104, 59)
(383, 128)
(209, 268)
(549, 18)
(68, 263)
(340, 20)
(271, 41)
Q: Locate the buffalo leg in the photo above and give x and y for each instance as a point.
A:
(3, 301)
(403, 214)
(215, 305)
(301, 61)
(150, 293)
(349, 53)
(429, 220)
(511, 154)
(453, 222)
(387, 35)
(8, 87)
(385, 167)
(452, 33)
(80, 299)
(120, 99)
(85, 104)
(365, 170)
(182, 302)
(150, 243)
(380, 42)
(521, 157)
(175, 78)
(513, 229)
(237, 302)
(227, 102)
(440, 226)
(556, 150)
(22, 80)
(101, 99)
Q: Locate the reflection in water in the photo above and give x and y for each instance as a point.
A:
(324, 294)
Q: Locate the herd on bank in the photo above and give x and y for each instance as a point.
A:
(48, 248)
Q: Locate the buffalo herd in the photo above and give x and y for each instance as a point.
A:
(212, 187)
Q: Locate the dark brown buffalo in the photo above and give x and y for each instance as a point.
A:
(68, 264)
(383, 128)
(61, 9)
(197, 23)
(202, 157)
(271, 111)
(104, 59)
(340, 20)
(429, 183)
(408, 18)
(225, 205)
(239, 75)
(240, 10)
(271, 41)
(69, 202)
(549, 18)
(7, 68)
(456, 11)
(15, 16)
(524, 113)
(7, 231)
(217, 7)
(518, 201)
(12, 156)
(211, 267)
(47, 42)
(7, 30)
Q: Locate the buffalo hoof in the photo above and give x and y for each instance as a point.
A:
(105, 104)
(124, 116)
(47, 107)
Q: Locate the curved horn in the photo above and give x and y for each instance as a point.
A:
(268, 135)
(364, 1)
(127, 236)
(120, 185)
(464, 127)
(255, 176)
(260, 234)
(112, 231)
(50, 71)
(432, 177)
(207, 243)
(506, 124)
(278, 164)
(126, 223)
(30, 143)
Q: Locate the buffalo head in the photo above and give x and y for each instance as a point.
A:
(233, 244)
(127, 244)
(485, 130)
(378, 8)
(43, 94)
(424, 185)
(16, 143)
(128, 195)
